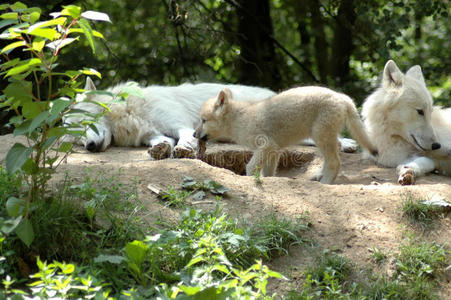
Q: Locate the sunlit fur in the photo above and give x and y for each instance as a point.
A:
(283, 120)
(166, 114)
(405, 126)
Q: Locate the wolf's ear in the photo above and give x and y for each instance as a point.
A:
(89, 86)
(416, 73)
(222, 101)
(392, 76)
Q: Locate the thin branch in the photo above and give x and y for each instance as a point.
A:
(275, 41)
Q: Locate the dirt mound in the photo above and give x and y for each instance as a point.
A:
(361, 210)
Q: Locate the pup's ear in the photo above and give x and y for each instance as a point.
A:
(416, 73)
(392, 76)
(89, 86)
(222, 101)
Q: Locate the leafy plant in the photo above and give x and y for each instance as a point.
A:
(40, 95)
(175, 198)
(418, 213)
(258, 175)
(212, 186)
(199, 257)
(378, 256)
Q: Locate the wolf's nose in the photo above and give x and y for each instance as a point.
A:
(91, 146)
(435, 146)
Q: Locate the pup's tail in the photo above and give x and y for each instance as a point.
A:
(357, 129)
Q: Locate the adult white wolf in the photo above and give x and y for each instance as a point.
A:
(409, 132)
(164, 118)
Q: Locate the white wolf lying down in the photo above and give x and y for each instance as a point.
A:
(409, 132)
(164, 120)
(286, 119)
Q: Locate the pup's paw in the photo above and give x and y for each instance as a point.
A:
(316, 177)
(160, 151)
(348, 145)
(406, 176)
(184, 152)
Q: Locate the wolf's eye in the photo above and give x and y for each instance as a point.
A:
(203, 121)
(420, 112)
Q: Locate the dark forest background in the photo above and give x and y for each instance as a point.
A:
(342, 44)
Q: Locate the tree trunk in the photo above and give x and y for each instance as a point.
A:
(320, 44)
(342, 44)
(258, 63)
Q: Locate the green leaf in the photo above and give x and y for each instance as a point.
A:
(112, 259)
(57, 21)
(25, 232)
(30, 167)
(5, 23)
(134, 90)
(34, 16)
(10, 225)
(18, 6)
(19, 91)
(91, 71)
(96, 16)
(59, 105)
(48, 33)
(15, 206)
(65, 147)
(38, 120)
(38, 44)
(58, 44)
(9, 16)
(25, 65)
(16, 157)
(12, 46)
(71, 10)
(136, 251)
(79, 30)
(30, 110)
(87, 30)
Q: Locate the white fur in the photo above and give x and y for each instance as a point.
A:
(405, 126)
(165, 119)
(283, 120)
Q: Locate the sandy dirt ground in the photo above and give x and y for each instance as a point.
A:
(361, 210)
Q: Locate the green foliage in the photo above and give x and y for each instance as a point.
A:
(201, 255)
(175, 198)
(418, 213)
(212, 186)
(419, 265)
(422, 260)
(40, 95)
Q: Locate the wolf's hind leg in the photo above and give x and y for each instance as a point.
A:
(161, 147)
(270, 162)
(328, 145)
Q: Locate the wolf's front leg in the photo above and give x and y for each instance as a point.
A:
(187, 144)
(409, 171)
(161, 147)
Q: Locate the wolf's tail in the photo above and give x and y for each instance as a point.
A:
(357, 129)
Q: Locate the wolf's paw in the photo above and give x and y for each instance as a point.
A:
(184, 152)
(348, 145)
(160, 151)
(406, 176)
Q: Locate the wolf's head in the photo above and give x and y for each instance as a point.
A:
(94, 141)
(212, 115)
(402, 108)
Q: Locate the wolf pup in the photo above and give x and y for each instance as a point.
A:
(284, 120)
(410, 133)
